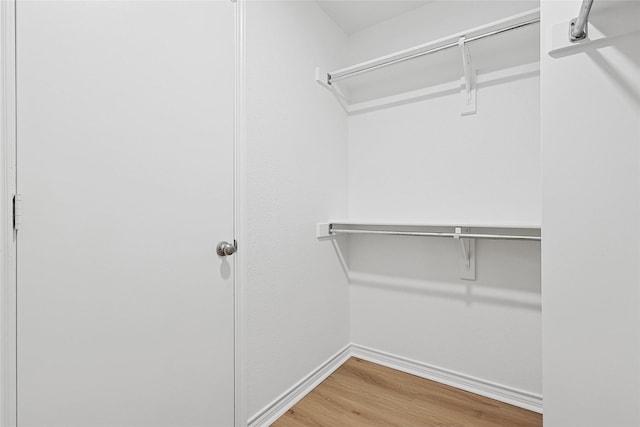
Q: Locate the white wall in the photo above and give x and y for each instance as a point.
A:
(297, 293)
(423, 162)
(591, 221)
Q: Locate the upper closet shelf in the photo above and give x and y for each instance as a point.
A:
(467, 85)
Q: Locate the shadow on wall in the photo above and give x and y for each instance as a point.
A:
(448, 89)
(507, 272)
(629, 86)
(619, 23)
(340, 245)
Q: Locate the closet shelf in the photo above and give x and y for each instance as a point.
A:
(512, 231)
(459, 40)
(465, 234)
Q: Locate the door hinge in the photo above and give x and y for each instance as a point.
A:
(17, 211)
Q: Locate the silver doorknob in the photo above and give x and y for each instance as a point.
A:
(226, 248)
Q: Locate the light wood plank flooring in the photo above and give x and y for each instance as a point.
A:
(364, 394)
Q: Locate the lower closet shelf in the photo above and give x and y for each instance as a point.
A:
(465, 234)
(456, 231)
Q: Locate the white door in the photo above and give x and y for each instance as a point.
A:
(125, 164)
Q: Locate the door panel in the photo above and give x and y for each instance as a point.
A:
(125, 163)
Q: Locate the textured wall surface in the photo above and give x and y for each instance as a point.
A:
(297, 294)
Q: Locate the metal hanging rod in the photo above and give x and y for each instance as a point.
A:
(578, 26)
(439, 234)
(342, 75)
(465, 235)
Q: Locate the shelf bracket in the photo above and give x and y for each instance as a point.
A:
(322, 78)
(468, 259)
(323, 230)
(469, 105)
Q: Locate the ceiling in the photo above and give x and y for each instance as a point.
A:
(355, 15)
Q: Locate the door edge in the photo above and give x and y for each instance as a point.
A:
(8, 312)
(240, 336)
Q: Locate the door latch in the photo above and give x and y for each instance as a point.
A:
(17, 211)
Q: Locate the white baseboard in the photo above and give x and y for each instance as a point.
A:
(502, 393)
(288, 399)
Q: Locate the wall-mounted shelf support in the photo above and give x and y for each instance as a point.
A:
(469, 104)
(468, 260)
(578, 28)
(612, 23)
(322, 78)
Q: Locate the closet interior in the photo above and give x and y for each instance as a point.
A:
(394, 150)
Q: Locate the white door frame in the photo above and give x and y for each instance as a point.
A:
(240, 382)
(8, 404)
(8, 398)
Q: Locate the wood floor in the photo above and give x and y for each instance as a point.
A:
(361, 393)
